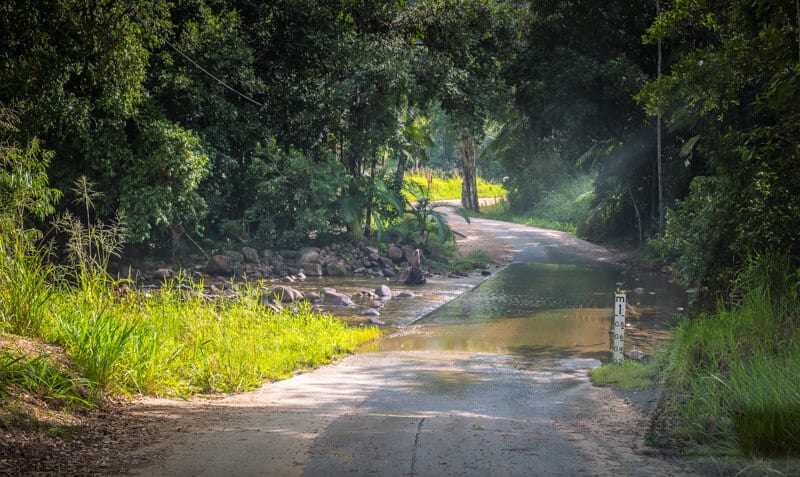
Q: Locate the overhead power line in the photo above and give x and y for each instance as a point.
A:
(194, 63)
(208, 73)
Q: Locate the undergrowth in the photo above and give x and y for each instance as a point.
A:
(175, 341)
(565, 207)
(734, 375)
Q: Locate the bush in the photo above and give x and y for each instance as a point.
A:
(296, 196)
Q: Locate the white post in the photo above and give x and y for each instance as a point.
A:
(619, 328)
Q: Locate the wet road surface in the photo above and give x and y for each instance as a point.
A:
(493, 383)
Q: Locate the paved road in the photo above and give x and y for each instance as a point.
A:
(420, 413)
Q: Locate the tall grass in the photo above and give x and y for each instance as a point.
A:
(177, 342)
(41, 378)
(564, 208)
(735, 374)
(25, 285)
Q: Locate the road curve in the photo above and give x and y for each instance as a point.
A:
(419, 413)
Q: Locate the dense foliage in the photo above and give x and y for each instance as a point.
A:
(733, 95)
(278, 122)
(245, 121)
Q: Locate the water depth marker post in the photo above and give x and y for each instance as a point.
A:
(619, 327)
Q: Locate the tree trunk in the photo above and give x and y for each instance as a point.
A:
(797, 5)
(658, 142)
(469, 166)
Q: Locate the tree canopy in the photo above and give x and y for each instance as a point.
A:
(278, 121)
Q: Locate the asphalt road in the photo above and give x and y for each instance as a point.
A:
(421, 413)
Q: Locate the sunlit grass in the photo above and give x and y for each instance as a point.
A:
(565, 207)
(449, 187)
(500, 211)
(629, 375)
(177, 341)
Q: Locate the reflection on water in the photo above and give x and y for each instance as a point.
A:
(545, 310)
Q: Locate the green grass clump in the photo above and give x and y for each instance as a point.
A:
(449, 188)
(474, 260)
(629, 375)
(41, 378)
(734, 375)
(175, 341)
(24, 284)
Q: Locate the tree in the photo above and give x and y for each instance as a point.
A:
(574, 75)
(735, 94)
(466, 43)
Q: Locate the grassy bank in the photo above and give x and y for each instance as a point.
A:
(563, 208)
(500, 211)
(732, 377)
(175, 341)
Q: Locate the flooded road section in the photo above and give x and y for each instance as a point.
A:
(539, 310)
(494, 382)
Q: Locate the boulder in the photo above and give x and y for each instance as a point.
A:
(335, 298)
(406, 294)
(386, 261)
(395, 253)
(234, 256)
(371, 312)
(250, 255)
(313, 296)
(366, 294)
(282, 294)
(307, 255)
(313, 269)
(375, 321)
(336, 269)
(383, 291)
(219, 265)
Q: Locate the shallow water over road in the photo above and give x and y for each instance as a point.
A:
(536, 310)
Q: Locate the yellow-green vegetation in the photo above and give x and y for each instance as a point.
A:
(448, 187)
(629, 375)
(177, 341)
(173, 341)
